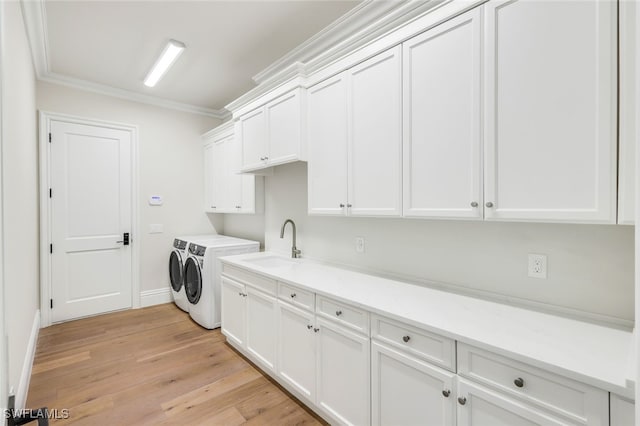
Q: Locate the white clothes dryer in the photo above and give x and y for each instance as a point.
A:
(177, 259)
(202, 276)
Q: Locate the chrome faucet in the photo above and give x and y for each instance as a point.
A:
(295, 253)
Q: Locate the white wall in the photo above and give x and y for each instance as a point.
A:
(590, 268)
(19, 189)
(170, 164)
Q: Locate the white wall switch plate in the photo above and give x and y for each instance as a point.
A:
(359, 244)
(156, 228)
(538, 266)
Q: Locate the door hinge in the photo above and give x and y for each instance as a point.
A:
(50, 192)
(50, 248)
(51, 303)
(49, 137)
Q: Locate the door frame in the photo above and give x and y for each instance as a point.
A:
(45, 119)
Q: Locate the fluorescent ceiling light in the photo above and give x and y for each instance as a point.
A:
(169, 55)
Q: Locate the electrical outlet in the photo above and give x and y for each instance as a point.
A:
(538, 266)
(359, 244)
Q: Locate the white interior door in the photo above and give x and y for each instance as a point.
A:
(91, 209)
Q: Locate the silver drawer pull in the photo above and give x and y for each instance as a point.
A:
(338, 313)
(462, 400)
(406, 338)
(519, 382)
(293, 295)
(309, 327)
(446, 393)
(315, 330)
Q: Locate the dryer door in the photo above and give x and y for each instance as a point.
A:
(176, 270)
(192, 280)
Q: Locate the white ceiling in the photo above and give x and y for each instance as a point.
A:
(114, 43)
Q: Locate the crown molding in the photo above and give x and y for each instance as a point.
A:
(359, 28)
(34, 14)
(102, 89)
(358, 17)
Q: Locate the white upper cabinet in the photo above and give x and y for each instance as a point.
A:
(441, 119)
(550, 111)
(328, 137)
(209, 187)
(226, 190)
(252, 131)
(627, 133)
(375, 152)
(355, 140)
(274, 133)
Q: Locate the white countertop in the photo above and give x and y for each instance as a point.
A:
(597, 355)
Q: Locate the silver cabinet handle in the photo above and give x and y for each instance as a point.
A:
(446, 393)
(213, 207)
(406, 338)
(349, 205)
(293, 295)
(341, 205)
(240, 294)
(474, 204)
(315, 330)
(338, 313)
(309, 327)
(462, 400)
(489, 204)
(519, 382)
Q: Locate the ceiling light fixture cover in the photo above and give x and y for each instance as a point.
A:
(169, 55)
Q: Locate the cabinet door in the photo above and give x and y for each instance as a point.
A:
(284, 128)
(407, 391)
(342, 373)
(297, 349)
(261, 327)
(219, 196)
(233, 311)
(375, 152)
(441, 87)
(328, 145)
(484, 407)
(252, 129)
(627, 135)
(622, 411)
(209, 197)
(550, 112)
(232, 178)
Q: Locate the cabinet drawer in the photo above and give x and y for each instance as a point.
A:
(351, 317)
(428, 346)
(263, 283)
(296, 296)
(579, 402)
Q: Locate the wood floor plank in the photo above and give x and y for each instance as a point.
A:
(153, 366)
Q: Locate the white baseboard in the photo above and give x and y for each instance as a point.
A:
(27, 365)
(157, 296)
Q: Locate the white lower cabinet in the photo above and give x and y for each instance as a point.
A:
(355, 367)
(297, 349)
(343, 373)
(622, 411)
(261, 326)
(233, 311)
(480, 406)
(408, 391)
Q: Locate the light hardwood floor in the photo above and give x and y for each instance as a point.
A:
(153, 366)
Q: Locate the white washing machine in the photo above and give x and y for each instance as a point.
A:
(202, 276)
(177, 259)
